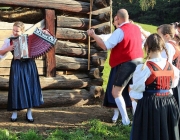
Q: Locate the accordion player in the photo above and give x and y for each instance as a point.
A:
(33, 46)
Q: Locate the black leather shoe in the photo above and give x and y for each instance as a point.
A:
(13, 119)
(29, 120)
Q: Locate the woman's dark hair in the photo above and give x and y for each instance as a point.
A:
(154, 43)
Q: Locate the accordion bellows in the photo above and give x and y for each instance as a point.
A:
(37, 46)
(40, 42)
(33, 46)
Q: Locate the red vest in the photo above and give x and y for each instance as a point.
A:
(129, 48)
(159, 78)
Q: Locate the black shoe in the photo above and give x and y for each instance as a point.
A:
(29, 120)
(13, 119)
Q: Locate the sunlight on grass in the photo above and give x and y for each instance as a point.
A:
(92, 130)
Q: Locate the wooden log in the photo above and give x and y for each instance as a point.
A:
(58, 98)
(103, 28)
(81, 35)
(68, 44)
(103, 17)
(100, 11)
(94, 73)
(100, 3)
(50, 56)
(96, 91)
(98, 61)
(7, 63)
(70, 63)
(73, 63)
(6, 71)
(74, 22)
(79, 52)
(64, 5)
(58, 82)
(71, 34)
(73, 74)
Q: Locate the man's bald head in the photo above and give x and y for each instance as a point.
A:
(123, 14)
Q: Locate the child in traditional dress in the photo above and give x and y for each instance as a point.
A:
(157, 113)
(24, 85)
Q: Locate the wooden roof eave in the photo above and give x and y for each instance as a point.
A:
(64, 5)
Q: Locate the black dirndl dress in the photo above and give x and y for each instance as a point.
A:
(157, 114)
(109, 100)
(24, 85)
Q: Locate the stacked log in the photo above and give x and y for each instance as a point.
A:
(73, 84)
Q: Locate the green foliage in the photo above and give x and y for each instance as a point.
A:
(5, 135)
(156, 12)
(30, 135)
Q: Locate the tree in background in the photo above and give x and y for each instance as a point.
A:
(154, 12)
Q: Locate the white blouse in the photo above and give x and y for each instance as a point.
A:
(4, 46)
(140, 76)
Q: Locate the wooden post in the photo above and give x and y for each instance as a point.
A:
(50, 56)
(111, 20)
(89, 40)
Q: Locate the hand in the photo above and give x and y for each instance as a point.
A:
(10, 48)
(91, 32)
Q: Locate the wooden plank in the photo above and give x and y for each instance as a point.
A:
(5, 34)
(6, 71)
(71, 34)
(64, 5)
(58, 82)
(50, 56)
(54, 98)
(9, 25)
(74, 22)
(6, 63)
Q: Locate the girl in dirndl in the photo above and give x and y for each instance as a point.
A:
(157, 113)
(24, 85)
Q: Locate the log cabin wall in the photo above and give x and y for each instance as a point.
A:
(73, 83)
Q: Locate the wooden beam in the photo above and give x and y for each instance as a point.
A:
(75, 22)
(50, 56)
(60, 82)
(64, 5)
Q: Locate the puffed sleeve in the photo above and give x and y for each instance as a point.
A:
(139, 78)
(5, 45)
(176, 77)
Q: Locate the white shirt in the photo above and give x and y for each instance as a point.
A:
(140, 76)
(4, 46)
(116, 37)
(171, 52)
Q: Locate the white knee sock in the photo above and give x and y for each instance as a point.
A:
(134, 104)
(29, 113)
(122, 108)
(116, 114)
(14, 115)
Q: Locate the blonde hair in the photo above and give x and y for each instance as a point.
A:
(20, 25)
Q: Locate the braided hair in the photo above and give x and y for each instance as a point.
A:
(154, 43)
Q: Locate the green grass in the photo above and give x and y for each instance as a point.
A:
(150, 28)
(92, 130)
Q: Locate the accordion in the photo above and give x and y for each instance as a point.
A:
(33, 46)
